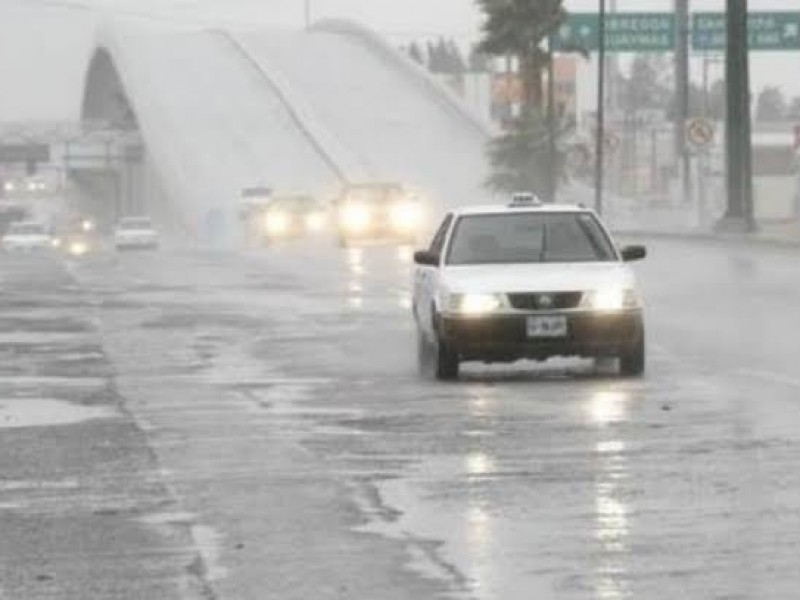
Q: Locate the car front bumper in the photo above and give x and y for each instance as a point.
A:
(504, 338)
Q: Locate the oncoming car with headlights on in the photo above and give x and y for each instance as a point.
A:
(526, 281)
(292, 217)
(378, 212)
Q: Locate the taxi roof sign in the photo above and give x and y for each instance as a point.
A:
(525, 199)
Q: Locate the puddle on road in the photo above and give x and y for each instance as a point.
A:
(26, 338)
(40, 383)
(39, 412)
(17, 485)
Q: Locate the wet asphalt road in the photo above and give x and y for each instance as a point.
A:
(270, 435)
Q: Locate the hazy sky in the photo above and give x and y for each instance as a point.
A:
(402, 20)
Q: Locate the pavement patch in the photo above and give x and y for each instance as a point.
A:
(43, 412)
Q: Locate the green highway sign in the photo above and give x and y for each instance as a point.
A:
(767, 31)
(656, 32)
(625, 32)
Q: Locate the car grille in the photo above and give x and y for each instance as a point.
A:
(545, 300)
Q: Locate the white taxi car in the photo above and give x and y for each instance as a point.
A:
(27, 236)
(526, 281)
(134, 233)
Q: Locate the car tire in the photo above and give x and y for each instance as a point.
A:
(447, 364)
(632, 361)
(423, 354)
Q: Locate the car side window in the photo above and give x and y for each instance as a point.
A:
(437, 244)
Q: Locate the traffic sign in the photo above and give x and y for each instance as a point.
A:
(625, 32)
(700, 132)
(766, 31)
(657, 32)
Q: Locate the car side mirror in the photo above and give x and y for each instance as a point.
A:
(632, 253)
(426, 258)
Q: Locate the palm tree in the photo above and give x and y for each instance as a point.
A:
(518, 28)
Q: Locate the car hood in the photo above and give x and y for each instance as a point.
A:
(543, 277)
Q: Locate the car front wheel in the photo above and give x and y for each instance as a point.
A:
(447, 364)
(632, 361)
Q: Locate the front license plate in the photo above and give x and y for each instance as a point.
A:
(547, 327)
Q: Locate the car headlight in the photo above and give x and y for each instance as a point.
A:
(610, 299)
(55, 242)
(405, 215)
(78, 248)
(355, 217)
(277, 223)
(87, 225)
(475, 304)
(315, 221)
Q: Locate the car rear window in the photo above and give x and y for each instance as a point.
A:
(541, 237)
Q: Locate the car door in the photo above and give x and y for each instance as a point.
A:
(426, 278)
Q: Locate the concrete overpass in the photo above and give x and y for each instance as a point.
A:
(221, 109)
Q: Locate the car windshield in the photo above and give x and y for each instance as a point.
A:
(294, 203)
(26, 229)
(375, 194)
(136, 223)
(529, 238)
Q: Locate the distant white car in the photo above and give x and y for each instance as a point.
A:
(527, 280)
(134, 233)
(27, 236)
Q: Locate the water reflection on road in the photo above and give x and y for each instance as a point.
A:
(612, 528)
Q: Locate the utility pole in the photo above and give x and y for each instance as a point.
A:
(601, 93)
(551, 120)
(682, 96)
(739, 215)
(308, 13)
(612, 71)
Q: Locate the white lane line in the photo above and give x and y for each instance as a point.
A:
(771, 376)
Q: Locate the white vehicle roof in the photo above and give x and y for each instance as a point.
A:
(494, 209)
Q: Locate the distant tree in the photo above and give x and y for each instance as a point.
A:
(434, 58)
(717, 100)
(645, 88)
(794, 109)
(415, 53)
(456, 64)
(521, 158)
(479, 62)
(771, 104)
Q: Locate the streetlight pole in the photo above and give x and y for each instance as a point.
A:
(682, 95)
(308, 13)
(601, 92)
